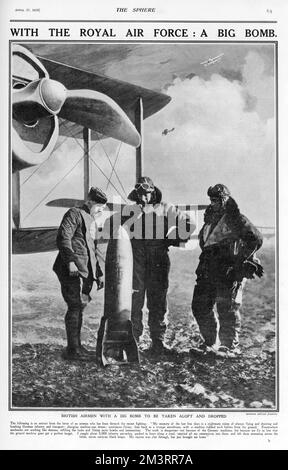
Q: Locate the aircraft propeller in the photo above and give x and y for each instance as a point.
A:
(37, 104)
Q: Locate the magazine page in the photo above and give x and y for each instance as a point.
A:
(143, 196)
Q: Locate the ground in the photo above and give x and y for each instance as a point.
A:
(42, 378)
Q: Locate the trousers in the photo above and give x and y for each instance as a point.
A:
(225, 325)
(72, 289)
(151, 267)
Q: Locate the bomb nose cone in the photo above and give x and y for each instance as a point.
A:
(53, 95)
(121, 233)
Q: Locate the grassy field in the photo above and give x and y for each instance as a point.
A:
(41, 378)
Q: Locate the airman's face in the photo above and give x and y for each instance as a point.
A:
(216, 203)
(95, 209)
(145, 197)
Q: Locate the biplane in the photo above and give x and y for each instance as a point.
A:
(46, 93)
(212, 60)
(52, 99)
(166, 131)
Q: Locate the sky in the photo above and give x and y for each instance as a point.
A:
(224, 120)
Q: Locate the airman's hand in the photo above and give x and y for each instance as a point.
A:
(73, 270)
(100, 283)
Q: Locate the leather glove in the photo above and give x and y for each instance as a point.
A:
(100, 283)
(246, 269)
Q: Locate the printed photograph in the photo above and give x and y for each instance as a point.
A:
(143, 233)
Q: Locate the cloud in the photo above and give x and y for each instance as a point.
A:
(259, 83)
(217, 138)
(232, 74)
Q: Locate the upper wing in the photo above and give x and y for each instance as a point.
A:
(123, 93)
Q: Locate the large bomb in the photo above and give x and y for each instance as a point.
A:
(115, 342)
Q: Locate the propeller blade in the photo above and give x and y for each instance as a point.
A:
(31, 145)
(99, 112)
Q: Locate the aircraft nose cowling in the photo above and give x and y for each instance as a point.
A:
(53, 94)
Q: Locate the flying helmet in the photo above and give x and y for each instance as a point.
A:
(97, 195)
(219, 191)
(145, 185)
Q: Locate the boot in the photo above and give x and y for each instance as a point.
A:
(230, 353)
(158, 347)
(204, 349)
(83, 350)
(73, 350)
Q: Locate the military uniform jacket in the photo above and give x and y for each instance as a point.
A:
(75, 243)
(228, 242)
(159, 224)
(230, 229)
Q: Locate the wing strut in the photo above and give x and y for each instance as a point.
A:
(87, 141)
(16, 211)
(139, 124)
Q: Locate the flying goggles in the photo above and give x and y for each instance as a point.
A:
(144, 186)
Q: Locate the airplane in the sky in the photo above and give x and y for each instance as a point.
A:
(166, 131)
(212, 60)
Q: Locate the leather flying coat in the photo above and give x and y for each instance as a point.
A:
(75, 243)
